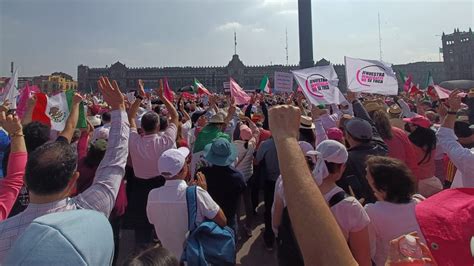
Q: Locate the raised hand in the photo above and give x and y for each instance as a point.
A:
(77, 98)
(160, 90)
(32, 101)
(11, 124)
(5, 106)
(201, 180)
(141, 88)
(454, 101)
(284, 121)
(316, 112)
(111, 93)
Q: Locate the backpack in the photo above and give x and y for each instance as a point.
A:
(207, 243)
(288, 250)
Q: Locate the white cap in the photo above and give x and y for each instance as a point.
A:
(331, 151)
(305, 147)
(172, 161)
(102, 133)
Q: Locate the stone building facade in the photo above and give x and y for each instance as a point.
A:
(213, 78)
(458, 54)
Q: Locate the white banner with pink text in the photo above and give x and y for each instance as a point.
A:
(319, 85)
(370, 76)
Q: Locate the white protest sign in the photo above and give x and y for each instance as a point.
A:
(370, 76)
(283, 82)
(319, 85)
(226, 85)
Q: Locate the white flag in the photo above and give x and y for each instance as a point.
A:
(370, 76)
(10, 92)
(319, 85)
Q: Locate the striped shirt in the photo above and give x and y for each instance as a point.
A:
(100, 196)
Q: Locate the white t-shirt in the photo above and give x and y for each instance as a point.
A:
(349, 213)
(389, 221)
(167, 210)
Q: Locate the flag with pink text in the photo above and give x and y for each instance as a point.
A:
(319, 84)
(370, 76)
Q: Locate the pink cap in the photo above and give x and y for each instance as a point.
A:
(419, 120)
(245, 132)
(335, 133)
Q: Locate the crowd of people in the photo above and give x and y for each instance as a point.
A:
(376, 180)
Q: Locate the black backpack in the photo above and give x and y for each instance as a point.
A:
(288, 250)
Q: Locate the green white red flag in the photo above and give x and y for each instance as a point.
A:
(199, 88)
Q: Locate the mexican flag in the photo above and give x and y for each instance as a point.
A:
(265, 85)
(199, 88)
(54, 110)
(429, 81)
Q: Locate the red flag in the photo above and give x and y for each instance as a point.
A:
(188, 96)
(169, 94)
(238, 93)
(414, 90)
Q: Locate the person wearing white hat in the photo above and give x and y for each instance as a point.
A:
(167, 207)
(330, 157)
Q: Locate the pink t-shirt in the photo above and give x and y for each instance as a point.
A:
(10, 186)
(400, 147)
(427, 168)
(145, 151)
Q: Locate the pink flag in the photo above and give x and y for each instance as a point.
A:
(444, 93)
(238, 93)
(408, 84)
(25, 94)
(299, 89)
(169, 94)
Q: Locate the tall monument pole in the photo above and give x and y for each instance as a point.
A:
(305, 33)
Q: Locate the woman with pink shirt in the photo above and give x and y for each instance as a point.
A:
(393, 214)
(424, 143)
(399, 146)
(10, 186)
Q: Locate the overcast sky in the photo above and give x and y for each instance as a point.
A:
(43, 36)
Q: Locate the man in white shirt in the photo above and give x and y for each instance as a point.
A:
(167, 206)
(462, 158)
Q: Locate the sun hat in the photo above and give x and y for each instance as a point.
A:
(418, 120)
(394, 109)
(220, 152)
(245, 132)
(306, 122)
(172, 161)
(217, 118)
(359, 128)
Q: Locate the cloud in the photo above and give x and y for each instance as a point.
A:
(257, 30)
(229, 26)
(288, 12)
